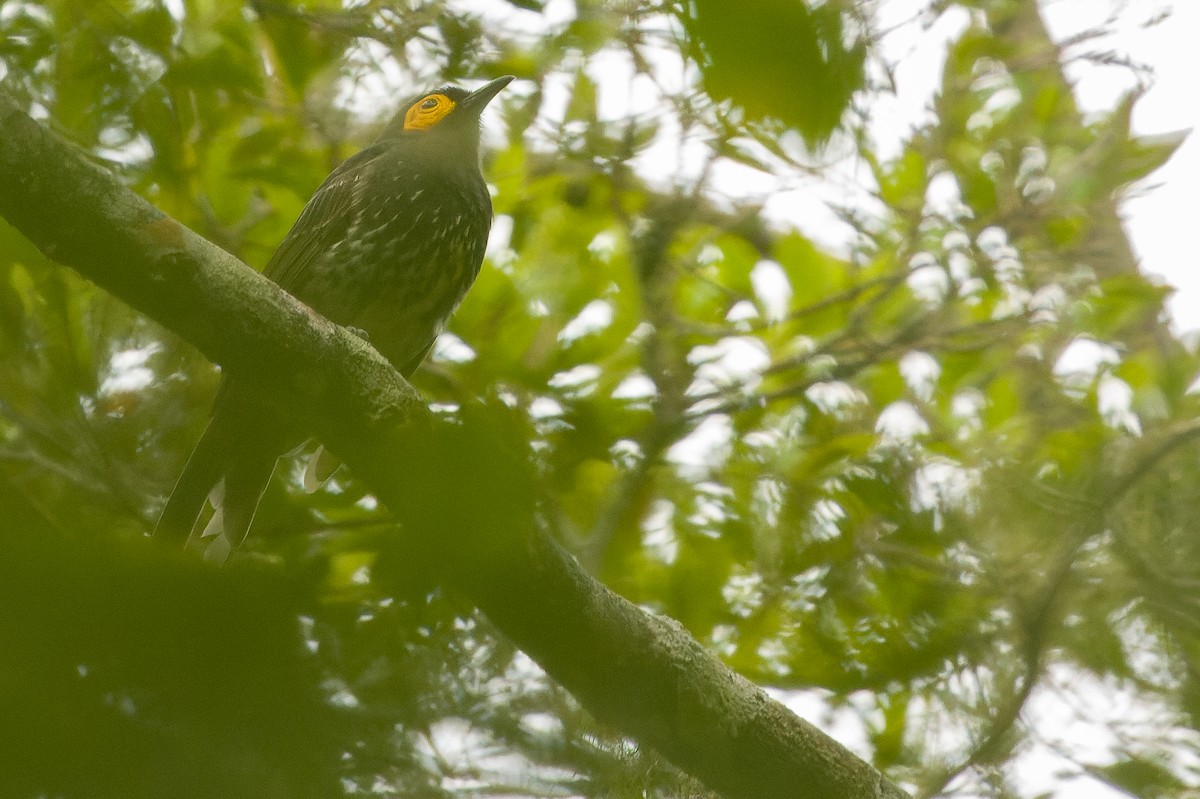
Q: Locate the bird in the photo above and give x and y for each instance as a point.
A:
(388, 246)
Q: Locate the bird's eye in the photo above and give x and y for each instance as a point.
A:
(430, 110)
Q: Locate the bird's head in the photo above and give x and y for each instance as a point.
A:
(448, 116)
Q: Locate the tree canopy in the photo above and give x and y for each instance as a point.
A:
(919, 461)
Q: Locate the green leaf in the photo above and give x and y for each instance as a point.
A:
(902, 185)
(1144, 155)
(779, 58)
(1143, 777)
(582, 105)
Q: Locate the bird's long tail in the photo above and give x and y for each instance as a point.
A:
(232, 465)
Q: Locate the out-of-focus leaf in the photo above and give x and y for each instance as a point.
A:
(1145, 155)
(1124, 301)
(582, 106)
(1142, 777)
(779, 58)
(902, 184)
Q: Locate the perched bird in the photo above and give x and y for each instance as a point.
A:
(388, 245)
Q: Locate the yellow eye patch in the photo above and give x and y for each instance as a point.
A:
(427, 112)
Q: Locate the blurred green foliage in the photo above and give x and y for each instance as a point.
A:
(803, 73)
(922, 477)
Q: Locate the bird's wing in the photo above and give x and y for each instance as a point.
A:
(323, 222)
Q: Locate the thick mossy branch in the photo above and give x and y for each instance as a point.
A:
(464, 492)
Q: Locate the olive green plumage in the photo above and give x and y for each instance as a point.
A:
(389, 245)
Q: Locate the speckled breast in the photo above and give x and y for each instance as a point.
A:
(411, 252)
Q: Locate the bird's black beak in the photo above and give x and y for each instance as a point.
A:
(477, 100)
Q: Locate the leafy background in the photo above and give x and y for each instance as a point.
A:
(934, 487)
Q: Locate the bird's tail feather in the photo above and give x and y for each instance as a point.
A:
(246, 478)
(321, 466)
(231, 466)
(204, 471)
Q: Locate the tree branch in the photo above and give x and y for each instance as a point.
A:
(463, 492)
